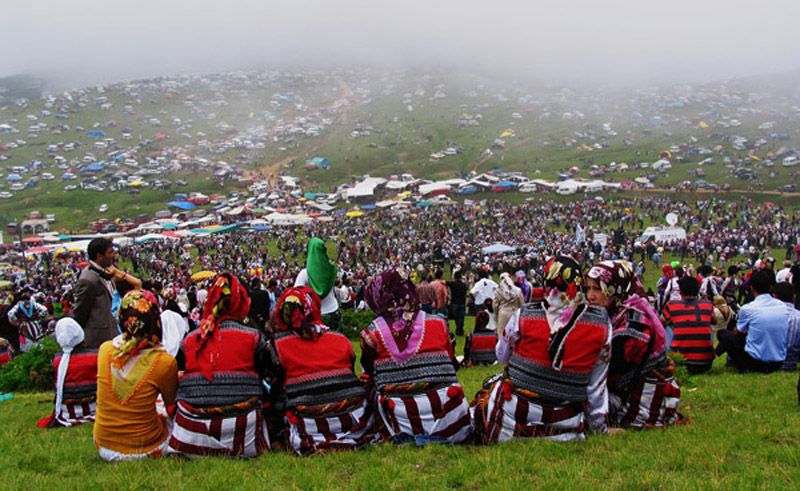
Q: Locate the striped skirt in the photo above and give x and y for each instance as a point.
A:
(501, 413)
(653, 402)
(314, 431)
(72, 414)
(238, 435)
(433, 416)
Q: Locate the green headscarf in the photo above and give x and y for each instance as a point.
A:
(321, 273)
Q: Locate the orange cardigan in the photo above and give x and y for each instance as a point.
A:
(134, 427)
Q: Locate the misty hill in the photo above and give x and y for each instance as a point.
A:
(15, 87)
(216, 131)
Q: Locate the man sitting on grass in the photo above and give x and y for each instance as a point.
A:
(758, 344)
(690, 318)
(785, 293)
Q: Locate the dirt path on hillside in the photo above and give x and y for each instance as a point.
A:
(347, 93)
(272, 171)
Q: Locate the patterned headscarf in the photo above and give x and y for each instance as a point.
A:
(482, 321)
(140, 320)
(394, 298)
(624, 291)
(617, 280)
(400, 321)
(298, 310)
(227, 299)
(522, 284)
(562, 290)
(669, 271)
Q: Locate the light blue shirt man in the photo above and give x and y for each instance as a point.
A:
(766, 322)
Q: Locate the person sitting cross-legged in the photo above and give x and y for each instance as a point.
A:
(132, 370)
(758, 343)
(690, 318)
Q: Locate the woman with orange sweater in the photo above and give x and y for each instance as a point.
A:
(132, 370)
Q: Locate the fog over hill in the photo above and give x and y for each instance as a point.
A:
(582, 42)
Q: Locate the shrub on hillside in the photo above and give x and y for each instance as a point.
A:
(31, 371)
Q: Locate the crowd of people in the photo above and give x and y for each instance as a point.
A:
(252, 357)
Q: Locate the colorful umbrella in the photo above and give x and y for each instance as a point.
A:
(203, 275)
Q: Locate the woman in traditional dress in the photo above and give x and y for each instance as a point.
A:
(76, 378)
(326, 404)
(557, 355)
(479, 346)
(409, 357)
(508, 298)
(220, 396)
(642, 389)
(132, 370)
(524, 285)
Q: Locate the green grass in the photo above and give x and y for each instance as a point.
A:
(744, 434)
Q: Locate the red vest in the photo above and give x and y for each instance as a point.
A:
(482, 348)
(234, 377)
(317, 372)
(432, 363)
(531, 368)
(302, 358)
(236, 352)
(81, 379)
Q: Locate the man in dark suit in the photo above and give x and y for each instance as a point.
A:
(93, 294)
(259, 304)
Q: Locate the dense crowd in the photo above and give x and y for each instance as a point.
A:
(217, 363)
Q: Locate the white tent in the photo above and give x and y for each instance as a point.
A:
(431, 187)
(364, 188)
(320, 206)
(497, 248)
(280, 219)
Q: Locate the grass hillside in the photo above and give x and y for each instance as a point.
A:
(384, 122)
(744, 434)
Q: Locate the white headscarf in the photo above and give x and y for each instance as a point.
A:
(507, 299)
(69, 334)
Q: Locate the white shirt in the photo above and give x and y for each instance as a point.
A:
(329, 303)
(482, 290)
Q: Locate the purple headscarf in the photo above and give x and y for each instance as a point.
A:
(400, 322)
(392, 297)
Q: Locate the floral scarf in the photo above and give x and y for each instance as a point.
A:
(140, 321)
(562, 293)
(227, 299)
(139, 347)
(298, 310)
(401, 322)
(624, 291)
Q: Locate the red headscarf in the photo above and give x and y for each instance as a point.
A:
(227, 299)
(298, 310)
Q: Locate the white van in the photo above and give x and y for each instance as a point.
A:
(791, 161)
(566, 189)
(593, 187)
(661, 235)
